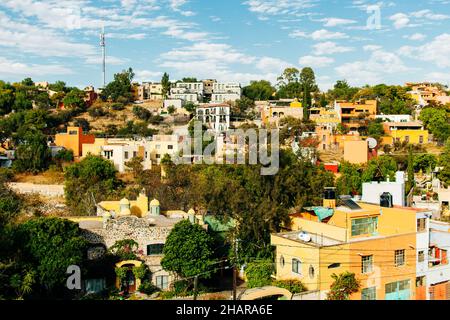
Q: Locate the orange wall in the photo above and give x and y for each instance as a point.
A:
(384, 269)
(74, 142)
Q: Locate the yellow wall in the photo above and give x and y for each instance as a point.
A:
(138, 207)
(95, 148)
(413, 135)
(331, 231)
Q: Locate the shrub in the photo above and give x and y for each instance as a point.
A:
(259, 273)
(95, 112)
(293, 285)
(148, 288)
(117, 106)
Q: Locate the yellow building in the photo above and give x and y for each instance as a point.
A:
(424, 93)
(411, 132)
(356, 152)
(377, 244)
(139, 207)
(274, 111)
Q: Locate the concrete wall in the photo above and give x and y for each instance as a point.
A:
(51, 190)
(371, 192)
(356, 152)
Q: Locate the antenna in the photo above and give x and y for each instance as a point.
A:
(103, 46)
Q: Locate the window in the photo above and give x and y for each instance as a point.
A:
(157, 147)
(421, 224)
(155, 249)
(364, 226)
(366, 264)
(296, 266)
(369, 293)
(407, 139)
(282, 261)
(420, 281)
(334, 265)
(421, 256)
(162, 282)
(420, 139)
(399, 258)
(134, 154)
(146, 155)
(170, 147)
(158, 156)
(311, 272)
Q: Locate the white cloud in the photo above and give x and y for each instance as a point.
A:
(321, 34)
(176, 6)
(269, 64)
(329, 47)
(372, 47)
(315, 61)
(400, 20)
(376, 69)
(279, 7)
(147, 75)
(416, 37)
(15, 68)
(333, 22)
(441, 77)
(436, 51)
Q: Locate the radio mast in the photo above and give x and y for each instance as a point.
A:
(103, 46)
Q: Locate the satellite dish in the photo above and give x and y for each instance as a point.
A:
(372, 143)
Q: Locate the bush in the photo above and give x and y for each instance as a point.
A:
(293, 285)
(6, 174)
(95, 112)
(142, 113)
(148, 288)
(259, 273)
(117, 106)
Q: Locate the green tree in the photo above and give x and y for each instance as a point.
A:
(425, 162)
(171, 109)
(6, 98)
(343, 286)
(188, 251)
(410, 170)
(135, 166)
(349, 182)
(119, 90)
(375, 129)
(93, 178)
(259, 273)
(50, 245)
(342, 91)
(444, 161)
(259, 90)
(379, 169)
(165, 82)
(437, 121)
(308, 84)
(32, 154)
(75, 99)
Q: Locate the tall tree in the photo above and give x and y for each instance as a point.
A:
(308, 84)
(32, 154)
(165, 82)
(259, 90)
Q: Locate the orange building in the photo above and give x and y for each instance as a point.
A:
(377, 244)
(73, 140)
(355, 115)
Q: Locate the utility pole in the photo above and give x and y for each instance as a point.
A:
(103, 46)
(195, 287)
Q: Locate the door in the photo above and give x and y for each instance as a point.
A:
(400, 290)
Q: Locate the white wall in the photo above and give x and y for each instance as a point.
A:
(371, 192)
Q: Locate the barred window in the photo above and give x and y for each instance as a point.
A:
(369, 293)
(399, 258)
(366, 264)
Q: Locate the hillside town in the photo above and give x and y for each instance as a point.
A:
(224, 159)
(153, 191)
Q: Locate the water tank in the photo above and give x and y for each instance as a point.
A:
(329, 194)
(303, 236)
(386, 200)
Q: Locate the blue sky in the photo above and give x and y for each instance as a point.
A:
(362, 41)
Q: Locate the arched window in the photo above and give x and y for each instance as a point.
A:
(282, 261)
(311, 272)
(296, 266)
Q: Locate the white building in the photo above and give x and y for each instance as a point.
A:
(120, 152)
(224, 92)
(216, 117)
(372, 191)
(161, 145)
(187, 91)
(395, 117)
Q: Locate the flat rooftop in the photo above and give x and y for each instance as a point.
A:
(317, 240)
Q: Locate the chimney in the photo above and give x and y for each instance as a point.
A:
(329, 198)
